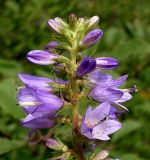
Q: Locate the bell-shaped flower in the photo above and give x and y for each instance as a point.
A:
(106, 63)
(38, 103)
(96, 123)
(108, 91)
(91, 38)
(41, 57)
(86, 66)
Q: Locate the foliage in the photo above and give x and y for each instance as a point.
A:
(127, 31)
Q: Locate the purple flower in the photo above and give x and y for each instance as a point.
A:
(51, 45)
(86, 66)
(41, 57)
(108, 92)
(39, 83)
(96, 123)
(106, 63)
(91, 38)
(42, 102)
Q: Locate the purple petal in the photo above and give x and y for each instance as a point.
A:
(106, 63)
(93, 117)
(36, 122)
(87, 132)
(45, 110)
(51, 45)
(41, 57)
(124, 98)
(92, 37)
(106, 128)
(105, 95)
(98, 77)
(50, 99)
(55, 25)
(86, 66)
(40, 83)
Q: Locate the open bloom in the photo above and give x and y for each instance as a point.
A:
(96, 123)
(41, 57)
(108, 91)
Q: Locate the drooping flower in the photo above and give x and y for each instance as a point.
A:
(41, 57)
(86, 66)
(91, 38)
(96, 123)
(109, 92)
(106, 63)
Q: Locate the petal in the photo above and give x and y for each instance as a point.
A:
(124, 98)
(105, 95)
(87, 132)
(86, 66)
(36, 122)
(106, 63)
(45, 110)
(94, 116)
(41, 57)
(91, 37)
(50, 99)
(51, 45)
(97, 77)
(36, 82)
(106, 128)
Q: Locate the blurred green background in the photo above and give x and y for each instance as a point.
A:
(126, 26)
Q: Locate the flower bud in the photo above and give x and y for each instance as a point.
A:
(55, 25)
(93, 21)
(56, 145)
(91, 38)
(72, 17)
(41, 57)
(86, 66)
(106, 63)
(51, 45)
(101, 156)
(64, 156)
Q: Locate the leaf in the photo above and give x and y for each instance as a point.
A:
(137, 48)
(130, 156)
(9, 68)
(8, 145)
(128, 127)
(8, 99)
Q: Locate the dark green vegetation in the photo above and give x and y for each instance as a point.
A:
(126, 26)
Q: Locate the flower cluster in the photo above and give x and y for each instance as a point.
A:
(75, 76)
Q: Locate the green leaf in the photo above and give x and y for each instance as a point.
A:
(9, 68)
(128, 127)
(130, 156)
(8, 145)
(137, 48)
(8, 99)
